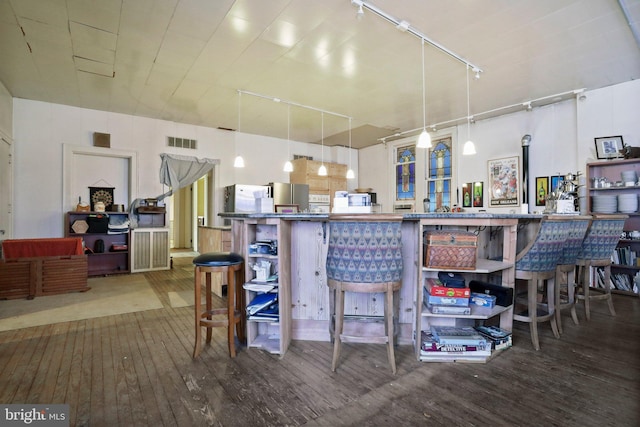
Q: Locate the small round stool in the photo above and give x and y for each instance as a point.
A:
(233, 265)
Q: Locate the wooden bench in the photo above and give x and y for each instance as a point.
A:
(39, 267)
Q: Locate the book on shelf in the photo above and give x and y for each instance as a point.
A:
(448, 309)
(269, 313)
(457, 335)
(261, 301)
(497, 337)
(431, 346)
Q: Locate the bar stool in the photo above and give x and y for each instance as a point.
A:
(565, 271)
(233, 265)
(536, 264)
(600, 242)
(365, 255)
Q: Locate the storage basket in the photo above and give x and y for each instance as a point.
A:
(450, 249)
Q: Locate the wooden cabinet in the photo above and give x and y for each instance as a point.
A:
(306, 172)
(270, 334)
(487, 269)
(150, 249)
(625, 268)
(111, 256)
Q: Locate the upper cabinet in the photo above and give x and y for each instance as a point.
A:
(306, 172)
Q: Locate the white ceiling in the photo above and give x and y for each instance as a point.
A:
(185, 61)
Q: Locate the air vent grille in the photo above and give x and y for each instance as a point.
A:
(174, 141)
(300, 156)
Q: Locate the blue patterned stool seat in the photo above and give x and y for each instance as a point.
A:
(233, 315)
(536, 264)
(364, 256)
(598, 246)
(565, 271)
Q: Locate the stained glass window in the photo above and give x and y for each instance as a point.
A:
(406, 173)
(439, 176)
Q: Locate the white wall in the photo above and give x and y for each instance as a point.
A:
(41, 129)
(562, 142)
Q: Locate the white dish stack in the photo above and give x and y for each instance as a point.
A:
(629, 178)
(605, 203)
(627, 203)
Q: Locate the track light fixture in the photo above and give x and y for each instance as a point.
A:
(288, 166)
(350, 173)
(239, 161)
(322, 170)
(469, 148)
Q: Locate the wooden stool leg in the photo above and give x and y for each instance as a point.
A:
(532, 303)
(209, 306)
(562, 277)
(241, 326)
(571, 293)
(607, 287)
(551, 306)
(585, 291)
(197, 308)
(339, 325)
(389, 312)
(231, 306)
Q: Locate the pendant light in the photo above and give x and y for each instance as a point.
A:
(239, 161)
(350, 173)
(322, 170)
(288, 166)
(424, 140)
(469, 148)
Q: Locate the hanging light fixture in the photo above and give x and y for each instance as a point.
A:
(424, 140)
(350, 173)
(288, 166)
(239, 161)
(322, 170)
(469, 148)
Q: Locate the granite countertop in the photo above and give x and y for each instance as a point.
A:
(406, 217)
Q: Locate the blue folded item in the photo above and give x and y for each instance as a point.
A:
(262, 301)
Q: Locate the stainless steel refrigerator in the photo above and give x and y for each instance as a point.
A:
(241, 198)
(290, 194)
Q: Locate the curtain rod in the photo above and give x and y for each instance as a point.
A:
(275, 99)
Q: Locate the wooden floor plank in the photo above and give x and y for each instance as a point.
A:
(137, 369)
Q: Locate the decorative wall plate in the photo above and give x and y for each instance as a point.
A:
(101, 194)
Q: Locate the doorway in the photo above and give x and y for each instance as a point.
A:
(190, 207)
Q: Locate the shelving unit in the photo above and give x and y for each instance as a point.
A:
(502, 272)
(110, 261)
(272, 335)
(611, 169)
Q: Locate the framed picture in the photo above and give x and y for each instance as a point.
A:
(555, 182)
(287, 209)
(478, 194)
(467, 194)
(542, 189)
(504, 182)
(608, 147)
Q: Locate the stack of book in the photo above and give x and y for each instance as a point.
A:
(451, 343)
(264, 306)
(441, 299)
(497, 337)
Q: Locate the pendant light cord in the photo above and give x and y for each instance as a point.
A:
(468, 108)
(424, 94)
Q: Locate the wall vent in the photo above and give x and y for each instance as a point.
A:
(300, 156)
(174, 141)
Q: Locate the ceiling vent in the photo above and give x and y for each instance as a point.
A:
(182, 142)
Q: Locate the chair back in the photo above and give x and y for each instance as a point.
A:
(602, 237)
(544, 252)
(578, 227)
(365, 248)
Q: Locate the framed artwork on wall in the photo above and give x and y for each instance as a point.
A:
(467, 194)
(608, 147)
(504, 182)
(555, 182)
(478, 194)
(542, 190)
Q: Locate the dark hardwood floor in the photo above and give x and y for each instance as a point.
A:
(136, 369)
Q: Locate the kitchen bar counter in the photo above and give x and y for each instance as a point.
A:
(305, 258)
